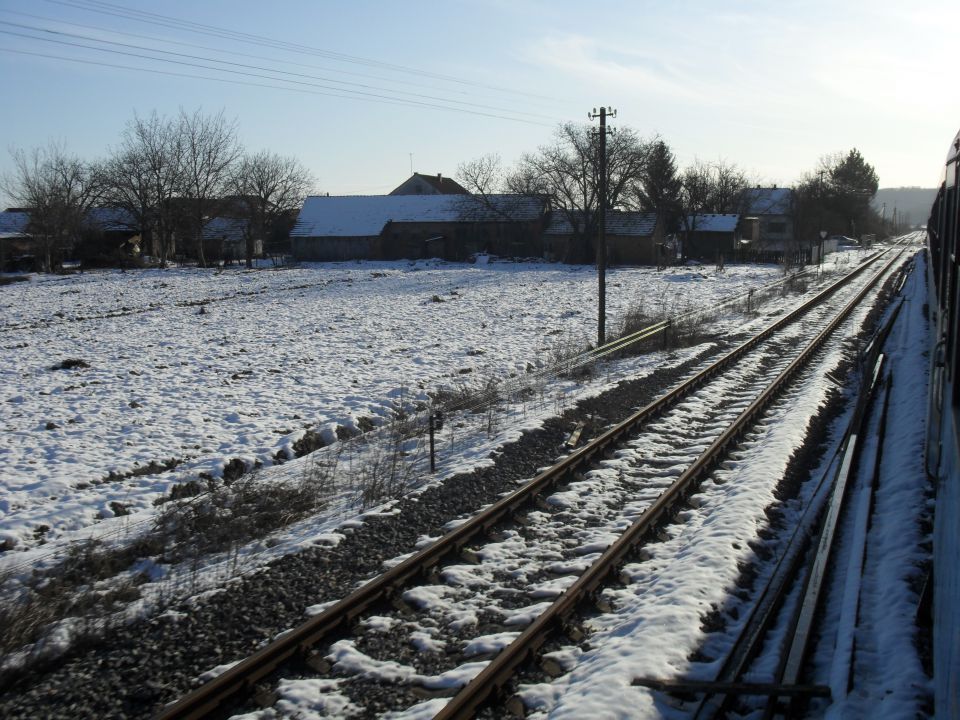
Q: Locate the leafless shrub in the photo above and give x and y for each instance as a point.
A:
(229, 515)
(388, 463)
(88, 585)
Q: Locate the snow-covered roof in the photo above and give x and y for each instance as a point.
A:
(112, 219)
(227, 228)
(13, 223)
(366, 215)
(768, 201)
(714, 222)
(619, 222)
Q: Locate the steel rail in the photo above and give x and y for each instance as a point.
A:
(501, 669)
(791, 563)
(240, 680)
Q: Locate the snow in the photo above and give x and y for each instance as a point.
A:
(339, 345)
(274, 353)
(366, 215)
(713, 222)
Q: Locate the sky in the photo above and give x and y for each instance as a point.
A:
(363, 93)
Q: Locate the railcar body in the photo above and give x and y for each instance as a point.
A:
(943, 439)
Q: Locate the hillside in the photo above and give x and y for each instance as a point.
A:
(911, 203)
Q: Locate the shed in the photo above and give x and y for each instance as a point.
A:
(631, 237)
(712, 235)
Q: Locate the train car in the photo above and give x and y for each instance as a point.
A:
(943, 439)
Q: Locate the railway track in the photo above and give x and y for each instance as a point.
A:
(527, 563)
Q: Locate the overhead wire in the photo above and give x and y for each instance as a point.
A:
(306, 87)
(262, 40)
(274, 71)
(245, 54)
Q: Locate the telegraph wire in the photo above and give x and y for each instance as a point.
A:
(236, 64)
(215, 31)
(170, 41)
(337, 93)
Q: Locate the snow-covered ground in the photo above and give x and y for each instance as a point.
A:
(197, 367)
(200, 367)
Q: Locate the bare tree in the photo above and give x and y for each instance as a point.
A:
(268, 186)
(59, 190)
(483, 176)
(568, 172)
(716, 187)
(210, 150)
(147, 176)
(727, 185)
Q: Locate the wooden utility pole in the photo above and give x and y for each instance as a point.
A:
(602, 234)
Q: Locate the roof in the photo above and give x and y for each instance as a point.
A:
(228, 228)
(619, 222)
(441, 185)
(714, 222)
(444, 185)
(768, 201)
(13, 223)
(366, 215)
(112, 219)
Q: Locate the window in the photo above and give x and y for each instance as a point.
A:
(777, 227)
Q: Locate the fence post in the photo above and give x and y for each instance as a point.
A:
(436, 423)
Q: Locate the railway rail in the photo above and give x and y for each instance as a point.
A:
(234, 686)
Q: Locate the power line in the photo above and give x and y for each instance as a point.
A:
(244, 54)
(340, 94)
(150, 18)
(275, 71)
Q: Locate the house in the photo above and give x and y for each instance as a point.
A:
(633, 238)
(225, 238)
(16, 244)
(110, 236)
(452, 227)
(767, 219)
(712, 235)
(418, 184)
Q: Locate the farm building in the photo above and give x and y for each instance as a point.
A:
(633, 238)
(16, 245)
(767, 219)
(712, 235)
(226, 238)
(110, 236)
(418, 184)
(452, 227)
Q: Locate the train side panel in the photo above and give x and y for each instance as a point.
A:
(943, 444)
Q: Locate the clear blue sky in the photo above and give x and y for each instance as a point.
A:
(768, 86)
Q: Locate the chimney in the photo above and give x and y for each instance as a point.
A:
(439, 177)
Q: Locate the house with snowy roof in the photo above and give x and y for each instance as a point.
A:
(767, 219)
(15, 240)
(225, 237)
(712, 235)
(418, 184)
(633, 238)
(110, 236)
(452, 227)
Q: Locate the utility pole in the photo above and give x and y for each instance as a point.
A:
(602, 234)
(822, 232)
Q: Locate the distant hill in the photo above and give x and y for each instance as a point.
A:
(912, 203)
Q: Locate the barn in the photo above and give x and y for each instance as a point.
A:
(451, 227)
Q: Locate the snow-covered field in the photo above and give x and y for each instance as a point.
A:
(197, 367)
